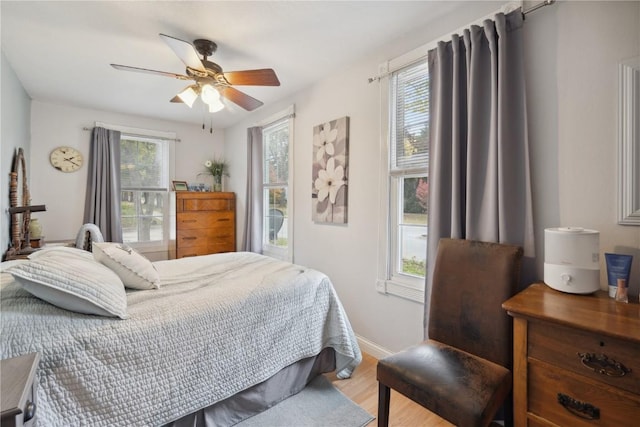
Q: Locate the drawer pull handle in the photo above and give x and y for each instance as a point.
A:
(29, 411)
(189, 238)
(580, 409)
(189, 220)
(603, 365)
(223, 219)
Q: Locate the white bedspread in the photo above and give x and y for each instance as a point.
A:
(219, 324)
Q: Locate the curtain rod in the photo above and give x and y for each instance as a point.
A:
(524, 12)
(538, 6)
(163, 138)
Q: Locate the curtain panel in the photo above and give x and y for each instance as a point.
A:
(252, 241)
(479, 175)
(102, 203)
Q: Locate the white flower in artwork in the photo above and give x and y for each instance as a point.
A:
(329, 181)
(324, 141)
(208, 164)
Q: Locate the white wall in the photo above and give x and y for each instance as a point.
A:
(53, 125)
(14, 124)
(571, 55)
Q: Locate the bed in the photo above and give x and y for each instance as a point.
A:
(212, 341)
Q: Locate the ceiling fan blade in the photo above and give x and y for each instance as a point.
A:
(176, 99)
(185, 51)
(242, 99)
(262, 77)
(145, 70)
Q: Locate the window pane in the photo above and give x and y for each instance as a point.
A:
(412, 227)
(141, 164)
(276, 153)
(275, 219)
(142, 216)
(410, 120)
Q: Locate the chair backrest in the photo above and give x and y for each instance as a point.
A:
(275, 224)
(471, 280)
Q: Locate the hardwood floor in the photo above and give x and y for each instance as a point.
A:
(362, 388)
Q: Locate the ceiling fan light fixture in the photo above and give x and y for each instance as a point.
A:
(209, 94)
(188, 96)
(211, 97)
(216, 106)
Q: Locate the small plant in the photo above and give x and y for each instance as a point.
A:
(217, 167)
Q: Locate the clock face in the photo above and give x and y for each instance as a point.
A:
(66, 159)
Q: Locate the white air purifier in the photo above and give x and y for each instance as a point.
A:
(572, 259)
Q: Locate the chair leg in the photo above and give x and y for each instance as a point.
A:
(384, 396)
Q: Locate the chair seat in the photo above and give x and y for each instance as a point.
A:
(464, 389)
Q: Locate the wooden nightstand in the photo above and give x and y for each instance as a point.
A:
(18, 398)
(575, 359)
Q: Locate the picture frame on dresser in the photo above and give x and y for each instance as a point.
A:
(180, 186)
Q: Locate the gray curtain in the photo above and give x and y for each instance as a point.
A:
(102, 204)
(253, 213)
(479, 157)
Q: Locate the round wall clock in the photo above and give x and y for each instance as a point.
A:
(66, 159)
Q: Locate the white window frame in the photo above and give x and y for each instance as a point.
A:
(168, 139)
(401, 285)
(267, 248)
(386, 284)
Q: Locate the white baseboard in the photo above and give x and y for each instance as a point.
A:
(372, 348)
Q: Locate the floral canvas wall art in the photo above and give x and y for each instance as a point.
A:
(330, 171)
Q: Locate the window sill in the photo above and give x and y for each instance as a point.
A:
(399, 289)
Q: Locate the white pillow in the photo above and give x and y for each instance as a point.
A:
(134, 270)
(73, 283)
(69, 251)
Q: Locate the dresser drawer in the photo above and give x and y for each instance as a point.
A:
(589, 403)
(193, 237)
(206, 249)
(600, 358)
(199, 220)
(201, 204)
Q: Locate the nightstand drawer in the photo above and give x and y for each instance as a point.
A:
(571, 400)
(18, 391)
(601, 358)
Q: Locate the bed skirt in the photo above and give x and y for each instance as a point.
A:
(262, 396)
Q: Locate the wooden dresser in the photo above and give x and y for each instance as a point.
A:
(576, 359)
(205, 223)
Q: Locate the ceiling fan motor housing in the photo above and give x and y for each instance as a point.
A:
(205, 47)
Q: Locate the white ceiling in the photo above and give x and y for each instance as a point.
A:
(61, 51)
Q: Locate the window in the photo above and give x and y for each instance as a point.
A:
(144, 176)
(277, 227)
(408, 181)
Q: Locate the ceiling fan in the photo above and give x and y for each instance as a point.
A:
(210, 81)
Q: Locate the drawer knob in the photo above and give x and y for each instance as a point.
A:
(601, 364)
(29, 411)
(580, 409)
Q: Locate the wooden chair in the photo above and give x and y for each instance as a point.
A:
(462, 372)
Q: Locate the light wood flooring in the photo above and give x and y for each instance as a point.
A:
(362, 388)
